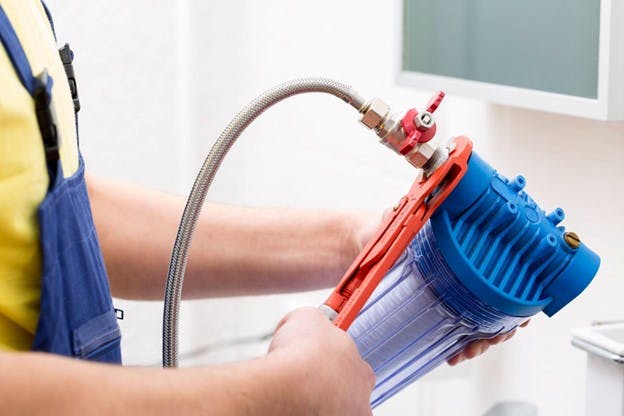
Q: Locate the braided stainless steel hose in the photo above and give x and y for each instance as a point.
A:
(177, 266)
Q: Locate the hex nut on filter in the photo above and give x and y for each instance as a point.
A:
(420, 155)
(375, 112)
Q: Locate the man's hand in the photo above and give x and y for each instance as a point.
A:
(331, 378)
(477, 348)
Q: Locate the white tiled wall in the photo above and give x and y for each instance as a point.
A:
(160, 79)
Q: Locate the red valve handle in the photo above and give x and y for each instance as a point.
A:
(435, 101)
(416, 129)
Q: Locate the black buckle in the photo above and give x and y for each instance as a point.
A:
(46, 116)
(67, 57)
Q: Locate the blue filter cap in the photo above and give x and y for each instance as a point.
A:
(506, 250)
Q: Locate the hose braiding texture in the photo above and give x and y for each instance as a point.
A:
(177, 266)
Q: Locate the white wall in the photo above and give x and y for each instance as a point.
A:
(137, 96)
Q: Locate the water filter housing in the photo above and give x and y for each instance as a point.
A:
(488, 259)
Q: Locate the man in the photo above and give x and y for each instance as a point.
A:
(54, 289)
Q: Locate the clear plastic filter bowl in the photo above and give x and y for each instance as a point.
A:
(408, 326)
(487, 259)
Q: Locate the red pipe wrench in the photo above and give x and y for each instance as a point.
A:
(395, 234)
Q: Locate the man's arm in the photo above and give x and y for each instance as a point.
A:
(234, 251)
(312, 368)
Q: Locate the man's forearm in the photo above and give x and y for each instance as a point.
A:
(235, 250)
(36, 383)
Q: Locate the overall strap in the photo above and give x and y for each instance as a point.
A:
(67, 57)
(39, 87)
(16, 54)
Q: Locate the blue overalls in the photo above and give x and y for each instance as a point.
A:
(77, 316)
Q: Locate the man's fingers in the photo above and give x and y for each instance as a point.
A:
(479, 347)
(310, 312)
(473, 349)
(457, 359)
(501, 338)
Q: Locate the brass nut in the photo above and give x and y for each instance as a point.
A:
(572, 240)
(374, 113)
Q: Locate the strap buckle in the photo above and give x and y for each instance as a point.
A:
(46, 116)
(67, 57)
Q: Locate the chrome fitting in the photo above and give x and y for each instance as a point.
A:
(376, 116)
(420, 154)
(440, 156)
(391, 133)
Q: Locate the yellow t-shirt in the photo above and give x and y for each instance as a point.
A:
(23, 173)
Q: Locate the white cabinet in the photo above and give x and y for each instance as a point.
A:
(563, 56)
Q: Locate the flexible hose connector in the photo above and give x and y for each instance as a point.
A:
(179, 256)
